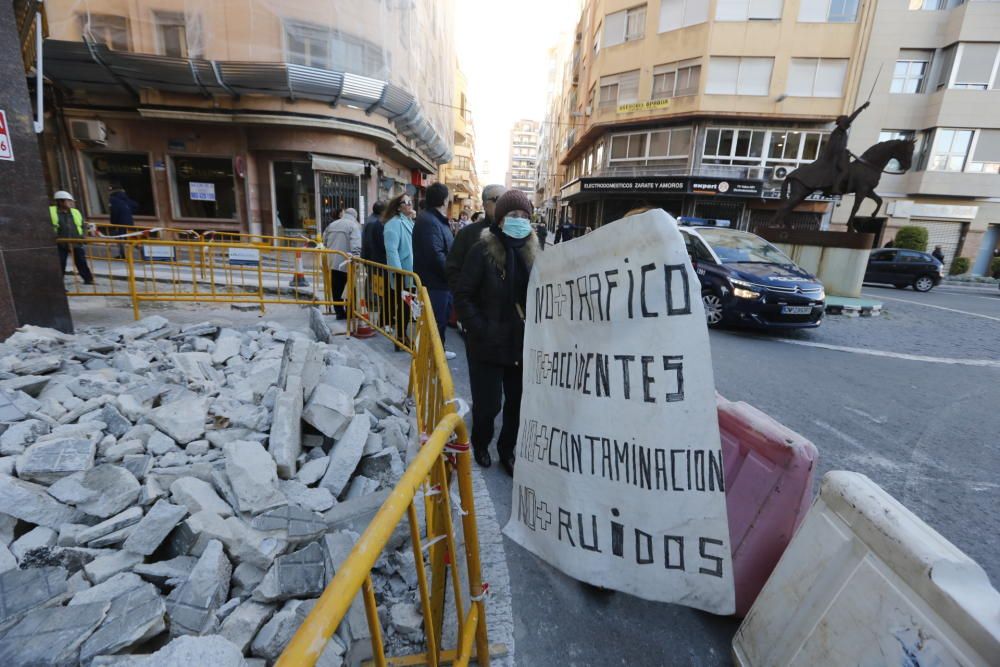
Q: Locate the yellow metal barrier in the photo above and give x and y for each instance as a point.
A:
(105, 230)
(444, 452)
(207, 272)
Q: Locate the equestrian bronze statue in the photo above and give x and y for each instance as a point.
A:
(834, 173)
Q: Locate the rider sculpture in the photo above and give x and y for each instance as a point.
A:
(833, 173)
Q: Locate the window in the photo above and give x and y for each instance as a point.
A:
(625, 26)
(317, 46)
(173, 37)
(950, 150)
(111, 31)
(748, 10)
(128, 170)
(828, 11)
(986, 154)
(463, 163)
(653, 148)
(889, 135)
(817, 77)
(975, 64)
(739, 76)
(933, 5)
(597, 39)
(294, 194)
(910, 71)
(203, 187)
(675, 14)
(947, 59)
(307, 45)
(619, 89)
(676, 79)
(758, 147)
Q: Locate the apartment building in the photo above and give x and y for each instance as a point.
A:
(934, 67)
(702, 107)
(460, 174)
(523, 161)
(247, 115)
(549, 172)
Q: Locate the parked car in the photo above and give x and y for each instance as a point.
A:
(746, 280)
(901, 268)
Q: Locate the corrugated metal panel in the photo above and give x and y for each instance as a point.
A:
(156, 72)
(362, 89)
(255, 78)
(312, 83)
(70, 64)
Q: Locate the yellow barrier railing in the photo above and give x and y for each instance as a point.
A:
(206, 272)
(105, 230)
(445, 450)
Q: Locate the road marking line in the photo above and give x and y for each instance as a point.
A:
(987, 363)
(930, 305)
(862, 413)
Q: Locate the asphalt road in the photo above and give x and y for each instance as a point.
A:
(923, 425)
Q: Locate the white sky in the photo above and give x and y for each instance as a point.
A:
(503, 51)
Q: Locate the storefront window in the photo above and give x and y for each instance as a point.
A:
(129, 171)
(294, 195)
(204, 187)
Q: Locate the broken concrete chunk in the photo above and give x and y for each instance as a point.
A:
(123, 448)
(162, 571)
(197, 495)
(101, 491)
(297, 524)
(8, 561)
(278, 631)
(345, 455)
(253, 476)
(191, 651)
(30, 502)
(23, 590)
(22, 434)
(108, 590)
(245, 578)
(126, 518)
(134, 616)
(329, 410)
(313, 471)
(344, 378)
(138, 464)
(360, 486)
(192, 605)
(253, 546)
(104, 567)
(117, 424)
(298, 575)
(407, 619)
(38, 537)
(316, 500)
(50, 636)
(49, 461)
(183, 420)
(285, 441)
(150, 532)
(241, 626)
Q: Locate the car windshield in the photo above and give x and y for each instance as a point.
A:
(734, 247)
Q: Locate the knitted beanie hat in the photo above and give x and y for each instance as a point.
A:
(512, 200)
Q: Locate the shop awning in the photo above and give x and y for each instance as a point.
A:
(337, 165)
(96, 68)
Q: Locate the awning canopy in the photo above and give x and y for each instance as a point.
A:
(94, 67)
(337, 165)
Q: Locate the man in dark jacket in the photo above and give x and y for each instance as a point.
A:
(432, 239)
(491, 299)
(469, 235)
(122, 207)
(372, 237)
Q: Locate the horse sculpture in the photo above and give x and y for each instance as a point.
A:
(864, 173)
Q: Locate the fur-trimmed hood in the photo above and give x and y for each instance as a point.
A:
(497, 254)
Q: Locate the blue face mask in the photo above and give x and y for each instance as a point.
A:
(516, 228)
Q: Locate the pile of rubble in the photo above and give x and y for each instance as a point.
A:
(182, 495)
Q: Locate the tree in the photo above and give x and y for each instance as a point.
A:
(911, 238)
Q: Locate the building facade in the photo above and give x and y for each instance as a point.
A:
(460, 175)
(523, 161)
(702, 107)
(246, 115)
(934, 71)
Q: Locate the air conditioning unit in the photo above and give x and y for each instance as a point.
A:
(92, 132)
(780, 173)
(755, 173)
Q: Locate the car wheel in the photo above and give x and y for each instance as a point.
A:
(923, 284)
(713, 308)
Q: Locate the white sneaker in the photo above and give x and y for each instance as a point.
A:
(449, 355)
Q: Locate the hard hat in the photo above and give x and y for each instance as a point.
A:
(62, 194)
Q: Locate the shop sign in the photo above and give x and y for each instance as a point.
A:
(6, 148)
(162, 253)
(202, 191)
(244, 256)
(648, 105)
(645, 184)
(175, 145)
(703, 186)
(637, 502)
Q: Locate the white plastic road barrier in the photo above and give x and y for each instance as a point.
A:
(866, 582)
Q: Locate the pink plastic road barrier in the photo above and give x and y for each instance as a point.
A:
(768, 470)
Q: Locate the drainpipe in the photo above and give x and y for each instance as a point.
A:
(39, 119)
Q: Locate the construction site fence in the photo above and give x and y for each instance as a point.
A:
(149, 270)
(106, 230)
(394, 303)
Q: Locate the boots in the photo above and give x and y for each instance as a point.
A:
(482, 456)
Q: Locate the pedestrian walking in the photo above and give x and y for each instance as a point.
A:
(121, 209)
(542, 233)
(938, 254)
(469, 236)
(343, 235)
(398, 233)
(372, 236)
(67, 221)
(566, 231)
(491, 299)
(432, 240)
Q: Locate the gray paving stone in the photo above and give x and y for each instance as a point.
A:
(30, 502)
(344, 378)
(294, 522)
(329, 410)
(285, 442)
(106, 591)
(241, 626)
(50, 636)
(23, 590)
(246, 576)
(183, 420)
(360, 486)
(253, 546)
(278, 631)
(253, 476)
(101, 491)
(139, 465)
(192, 605)
(355, 514)
(126, 518)
(298, 575)
(135, 616)
(52, 460)
(162, 571)
(345, 455)
(19, 436)
(197, 651)
(8, 561)
(316, 500)
(117, 424)
(150, 532)
(37, 537)
(313, 470)
(104, 567)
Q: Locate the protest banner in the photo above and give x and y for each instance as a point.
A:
(619, 475)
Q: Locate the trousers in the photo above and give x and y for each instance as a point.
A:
(492, 384)
(79, 259)
(441, 304)
(339, 281)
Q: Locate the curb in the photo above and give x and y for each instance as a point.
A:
(854, 311)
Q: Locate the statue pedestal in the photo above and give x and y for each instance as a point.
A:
(838, 259)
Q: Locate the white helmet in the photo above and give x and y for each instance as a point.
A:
(62, 194)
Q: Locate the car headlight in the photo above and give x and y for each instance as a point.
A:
(743, 289)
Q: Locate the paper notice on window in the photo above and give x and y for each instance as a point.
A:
(202, 191)
(619, 476)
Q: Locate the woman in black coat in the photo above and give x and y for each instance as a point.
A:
(491, 297)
